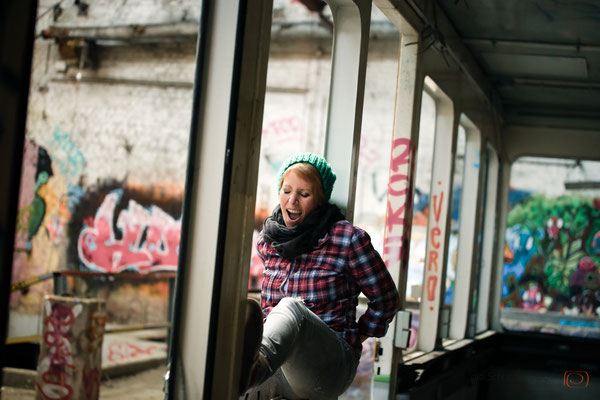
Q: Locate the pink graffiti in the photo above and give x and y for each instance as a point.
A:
(149, 242)
(393, 243)
(282, 130)
(434, 252)
(368, 152)
(58, 363)
(127, 351)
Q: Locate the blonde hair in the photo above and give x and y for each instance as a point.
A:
(311, 175)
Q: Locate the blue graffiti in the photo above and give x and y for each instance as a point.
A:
(521, 242)
(72, 161)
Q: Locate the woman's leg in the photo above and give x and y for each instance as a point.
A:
(252, 338)
(315, 361)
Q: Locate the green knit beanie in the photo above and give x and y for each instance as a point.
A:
(327, 174)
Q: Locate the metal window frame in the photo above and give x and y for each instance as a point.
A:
(489, 239)
(352, 20)
(502, 212)
(467, 240)
(218, 213)
(399, 210)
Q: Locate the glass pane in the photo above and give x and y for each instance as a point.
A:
(377, 127)
(552, 250)
(457, 183)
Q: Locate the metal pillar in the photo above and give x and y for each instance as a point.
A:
(467, 240)
(344, 117)
(17, 32)
(489, 235)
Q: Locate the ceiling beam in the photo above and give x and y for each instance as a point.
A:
(548, 82)
(527, 47)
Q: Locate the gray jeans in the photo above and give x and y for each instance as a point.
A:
(308, 359)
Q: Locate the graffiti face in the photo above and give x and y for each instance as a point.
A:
(553, 226)
(149, 239)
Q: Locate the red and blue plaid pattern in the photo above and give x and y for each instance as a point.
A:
(329, 279)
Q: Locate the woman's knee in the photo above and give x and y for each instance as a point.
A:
(290, 302)
(290, 305)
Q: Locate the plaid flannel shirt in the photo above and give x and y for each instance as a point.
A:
(329, 279)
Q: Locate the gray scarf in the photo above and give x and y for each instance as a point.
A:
(302, 238)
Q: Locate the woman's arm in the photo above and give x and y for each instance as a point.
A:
(374, 280)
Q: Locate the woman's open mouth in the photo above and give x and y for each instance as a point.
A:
(294, 215)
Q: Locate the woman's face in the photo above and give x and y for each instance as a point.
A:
(297, 199)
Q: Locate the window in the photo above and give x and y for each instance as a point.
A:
(295, 113)
(550, 279)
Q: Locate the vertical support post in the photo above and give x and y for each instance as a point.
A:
(489, 234)
(344, 118)
(502, 211)
(69, 365)
(437, 220)
(463, 282)
(396, 242)
(17, 34)
(206, 342)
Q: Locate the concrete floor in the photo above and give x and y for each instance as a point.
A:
(145, 385)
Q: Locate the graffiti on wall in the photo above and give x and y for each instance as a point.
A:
(66, 154)
(56, 369)
(45, 202)
(280, 138)
(143, 240)
(551, 255)
(282, 130)
(434, 251)
(71, 349)
(394, 241)
(31, 214)
(126, 350)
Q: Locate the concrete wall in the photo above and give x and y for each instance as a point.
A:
(116, 122)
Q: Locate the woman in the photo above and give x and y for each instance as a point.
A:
(316, 264)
